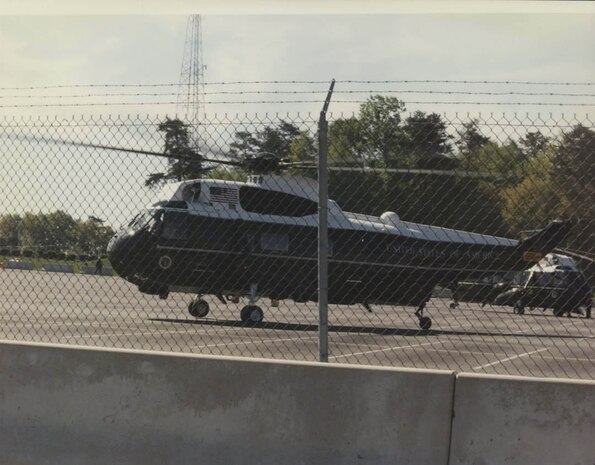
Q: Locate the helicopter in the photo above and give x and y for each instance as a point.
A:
(258, 238)
(555, 282)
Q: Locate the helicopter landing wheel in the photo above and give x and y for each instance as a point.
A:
(251, 314)
(425, 323)
(559, 312)
(198, 308)
(519, 308)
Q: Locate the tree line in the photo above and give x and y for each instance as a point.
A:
(514, 185)
(53, 235)
(511, 186)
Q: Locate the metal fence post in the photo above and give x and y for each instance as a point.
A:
(323, 230)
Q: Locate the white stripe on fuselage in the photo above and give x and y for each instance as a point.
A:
(344, 220)
(337, 218)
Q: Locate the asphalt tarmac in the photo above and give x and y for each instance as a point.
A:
(109, 312)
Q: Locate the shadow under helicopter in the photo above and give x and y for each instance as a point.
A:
(358, 329)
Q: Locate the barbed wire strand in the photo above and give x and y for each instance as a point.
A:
(348, 81)
(294, 92)
(244, 102)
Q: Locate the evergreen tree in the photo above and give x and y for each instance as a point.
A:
(177, 143)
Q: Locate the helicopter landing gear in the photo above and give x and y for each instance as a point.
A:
(425, 322)
(455, 298)
(559, 311)
(519, 307)
(252, 313)
(198, 308)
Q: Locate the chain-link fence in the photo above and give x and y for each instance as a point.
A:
(454, 241)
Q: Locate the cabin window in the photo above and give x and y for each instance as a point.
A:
(542, 279)
(274, 242)
(565, 278)
(266, 202)
(175, 226)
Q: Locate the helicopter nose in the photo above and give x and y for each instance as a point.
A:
(116, 253)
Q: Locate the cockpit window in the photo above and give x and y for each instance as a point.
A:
(522, 278)
(149, 220)
(548, 279)
(134, 220)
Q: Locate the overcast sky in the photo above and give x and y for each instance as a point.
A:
(132, 49)
(48, 50)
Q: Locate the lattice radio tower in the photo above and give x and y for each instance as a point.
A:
(190, 103)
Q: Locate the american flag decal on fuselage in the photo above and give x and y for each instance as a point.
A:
(224, 194)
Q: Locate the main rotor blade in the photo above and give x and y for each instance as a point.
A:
(459, 173)
(367, 169)
(137, 151)
(122, 149)
(577, 254)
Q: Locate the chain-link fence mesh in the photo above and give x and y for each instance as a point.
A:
(443, 249)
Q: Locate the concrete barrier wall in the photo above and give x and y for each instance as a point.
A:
(523, 421)
(68, 405)
(58, 268)
(17, 265)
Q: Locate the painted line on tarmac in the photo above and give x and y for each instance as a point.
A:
(526, 354)
(354, 344)
(235, 342)
(465, 352)
(392, 348)
(433, 350)
(141, 333)
(573, 359)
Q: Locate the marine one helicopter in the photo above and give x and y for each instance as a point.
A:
(259, 239)
(555, 282)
